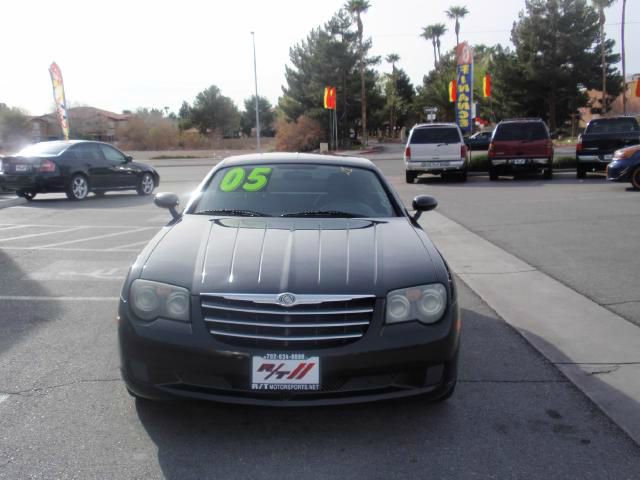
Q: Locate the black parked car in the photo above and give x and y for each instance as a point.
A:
(479, 141)
(625, 166)
(601, 138)
(75, 167)
(290, 279)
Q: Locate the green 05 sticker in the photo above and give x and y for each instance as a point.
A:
(254, 182)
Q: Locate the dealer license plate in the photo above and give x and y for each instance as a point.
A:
(285, 371)
(608, 157)
(22, 168)
(520, 161)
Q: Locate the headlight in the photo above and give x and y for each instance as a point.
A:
(425, 303)
(150, 300)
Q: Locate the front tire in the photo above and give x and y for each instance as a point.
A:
(635, 178)
(146, 184)
(78, 188)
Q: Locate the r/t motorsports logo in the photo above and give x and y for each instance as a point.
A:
(280, 371)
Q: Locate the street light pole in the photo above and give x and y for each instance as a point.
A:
(255, 76)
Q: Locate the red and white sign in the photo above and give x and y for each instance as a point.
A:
(285, 371)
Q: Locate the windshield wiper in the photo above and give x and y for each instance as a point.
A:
(233, 212)
(322, 213)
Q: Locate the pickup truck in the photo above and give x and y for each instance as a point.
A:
(601, 138)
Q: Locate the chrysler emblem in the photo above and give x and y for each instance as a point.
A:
(286, 299)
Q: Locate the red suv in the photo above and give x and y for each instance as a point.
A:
(521, 146)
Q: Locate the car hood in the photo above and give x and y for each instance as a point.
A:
(274, 255)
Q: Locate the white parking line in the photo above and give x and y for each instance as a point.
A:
(3, 398)
(56, 299)
(123, 247)
(4, 228)
(97, 237)
(50, 225)
(101, 250)
(22, 237)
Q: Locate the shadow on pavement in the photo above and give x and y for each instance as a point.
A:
(19, 317)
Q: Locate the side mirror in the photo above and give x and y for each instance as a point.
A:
(423, 203)
(128, 158)
(169, 201)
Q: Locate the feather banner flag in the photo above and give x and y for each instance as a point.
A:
(453, 91)
(330, 98)
(59, 98)
(486, 85)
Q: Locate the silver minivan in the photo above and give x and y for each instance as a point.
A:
(438, 149)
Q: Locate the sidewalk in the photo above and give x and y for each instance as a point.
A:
(597, 350)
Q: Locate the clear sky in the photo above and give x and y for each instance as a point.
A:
(121, 55)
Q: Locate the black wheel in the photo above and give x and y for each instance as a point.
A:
(635, 178)
(78, 188)
(410, 177)
(26, 194)
(548, 173)
(146, 184)
(462, 177)
(580, 172)
(493, 175)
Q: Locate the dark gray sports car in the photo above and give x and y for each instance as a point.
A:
(290, 279)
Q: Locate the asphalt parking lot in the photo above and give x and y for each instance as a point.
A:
(64, 412)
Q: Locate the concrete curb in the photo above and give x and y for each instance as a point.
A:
(597, 350)
(11, 202)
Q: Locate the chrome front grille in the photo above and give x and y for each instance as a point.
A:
(313, 321)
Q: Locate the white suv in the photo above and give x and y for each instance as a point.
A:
(436, 148)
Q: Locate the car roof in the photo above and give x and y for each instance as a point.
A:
(310, 158)
(431, 125)
(519, 120)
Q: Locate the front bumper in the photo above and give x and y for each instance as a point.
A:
(509, 166)
(619, 171)
(166, 359)
(435, 167)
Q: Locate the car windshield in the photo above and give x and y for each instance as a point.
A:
(521, 131)
(303, 190)
(43, 149)
(435, 135)
(613, 125)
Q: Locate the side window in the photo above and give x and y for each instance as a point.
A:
(86, 153)
(113, 156)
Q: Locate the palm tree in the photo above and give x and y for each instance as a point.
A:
(356, 8)
(392, 58)
(439, 29)
(457, 13)
(427, 34)
(624, 69)
(601, 5)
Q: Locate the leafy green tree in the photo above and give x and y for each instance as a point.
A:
(212, 111)
(555, 58)
(439, 29)
(392, 91)
(456, 13)
(356, 9)
(329, 56)
(248, 116)
(601, 5)
(434, 91)
(427, 34)
(15, 126)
